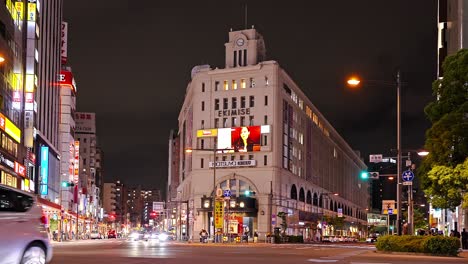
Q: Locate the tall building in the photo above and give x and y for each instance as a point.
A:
(258, 139)
(114, 203)
(85, 134)
(47, 97)
(452, 37)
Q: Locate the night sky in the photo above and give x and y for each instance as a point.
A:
(132, 63)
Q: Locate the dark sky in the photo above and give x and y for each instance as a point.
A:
(132, 62)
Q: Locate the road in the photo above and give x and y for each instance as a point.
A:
(139, 252)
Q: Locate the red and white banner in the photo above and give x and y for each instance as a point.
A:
(64, 43)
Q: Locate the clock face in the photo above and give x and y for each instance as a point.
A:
(240, 42)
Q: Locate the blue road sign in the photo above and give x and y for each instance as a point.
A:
(227, 193)
(408, 175)
(390, 211)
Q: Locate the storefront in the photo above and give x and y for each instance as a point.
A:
(53, 214)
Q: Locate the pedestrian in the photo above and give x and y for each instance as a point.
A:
(255, 237)
(464, 239)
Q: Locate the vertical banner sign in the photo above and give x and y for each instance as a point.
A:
(28, 128)
(71, 162)
(64, 49)
(77, 162)
(219, 212)
(44, 172)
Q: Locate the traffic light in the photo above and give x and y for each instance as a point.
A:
(153, 215)
(364, 175)
(67, 184)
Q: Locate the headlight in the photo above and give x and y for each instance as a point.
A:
(162, 237)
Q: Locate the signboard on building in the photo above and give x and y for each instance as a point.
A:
(158, 207)
(219, 213)
(85, 123)
(389, 204)
(377, 219)
(64, 42)
(233, 163)
(44, 170)
(66, 79)
(76, 166)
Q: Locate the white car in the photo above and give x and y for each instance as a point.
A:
(95, 235)
(23, 236)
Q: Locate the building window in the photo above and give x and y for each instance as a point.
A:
(251, 157)
(267, 82)
(235, 58)
(265, 120)
(242, 121)
(225, 103)
(234, 102)
(252, 101)
(266, 99)
(84, 150)
(234, 85)
(216, 104)
(225, 124)
(233, 157)
(202, 124)
(265, 160)
(241, 157)
(242, 102)
(84, 140)
(224, 158)
(216, 86)
(251, 120)
(216, 123)
(226, 85)
(243, 84)
(202, 143)
(252, 83)
(245, 57)
(203, 87)
(264, 140)
(203, 105)
(84, 161)
(234, 121)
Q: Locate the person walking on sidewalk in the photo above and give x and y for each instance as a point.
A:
(464, 239)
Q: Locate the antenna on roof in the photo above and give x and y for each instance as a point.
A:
(245, 16)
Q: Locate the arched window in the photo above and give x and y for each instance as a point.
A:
(301, 195)
(315, 199)
(309, 197)
(293, 192)
(336, 207)
(331, 206)
(321, 201)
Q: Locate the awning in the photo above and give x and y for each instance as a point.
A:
(49, 204)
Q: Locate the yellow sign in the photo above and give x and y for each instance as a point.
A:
(32, 12)
(12, 130)
(207, 133)
(19, 9)
(219, 213)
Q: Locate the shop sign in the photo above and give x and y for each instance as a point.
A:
(7, 162)
(219, 212)
(234, 163)
(20, 169)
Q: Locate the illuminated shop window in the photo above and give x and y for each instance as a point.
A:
(234, 85)
(243, 84)
(226, 85)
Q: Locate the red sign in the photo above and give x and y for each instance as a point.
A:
(32, 157)
(66, 79)
(20, 169)
(29, 98)
(2, 122)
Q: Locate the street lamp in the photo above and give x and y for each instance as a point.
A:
(214, 150)
(354, 81)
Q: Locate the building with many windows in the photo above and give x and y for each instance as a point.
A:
(274, 152)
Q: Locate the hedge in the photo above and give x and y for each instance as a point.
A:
(435, 245)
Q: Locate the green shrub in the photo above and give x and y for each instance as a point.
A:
(439, 245)
(295, 239)
(435, 245)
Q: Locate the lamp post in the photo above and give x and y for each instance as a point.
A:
(214, 150)
(355, 82)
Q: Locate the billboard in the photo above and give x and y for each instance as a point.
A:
(44, 170)
(85, 123)
(240, 139)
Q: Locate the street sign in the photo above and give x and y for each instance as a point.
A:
(219, 192)
(374, 175)
(390, 211)
(407, 176)
(375, 158)
(340, 212)
(227, 193)
(408, 183)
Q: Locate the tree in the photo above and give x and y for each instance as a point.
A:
(418, 218)
(447, 139)
(284, 223)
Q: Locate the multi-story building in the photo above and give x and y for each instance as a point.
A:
(109, 200)
(85, 134)
(135, 205)
(273, 151)
(452, 37)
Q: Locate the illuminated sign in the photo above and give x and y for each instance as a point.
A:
(64, 48)
(2, 122)
(219, 213)
(240, 139)
(32, 12)
(19, 9)
(233, 163)
(7, 162)
(77, 162)
(12, 130)
(234, 112)
(44, 170)
(207, 133)
(66, 79)
(20, 169)
(85, 122)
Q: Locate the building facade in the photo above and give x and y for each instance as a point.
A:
(274, 152)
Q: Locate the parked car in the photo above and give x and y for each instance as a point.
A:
(23, 235)
(95, 235)
(371, 239)
(111, 234)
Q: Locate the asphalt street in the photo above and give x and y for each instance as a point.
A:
(139, 252)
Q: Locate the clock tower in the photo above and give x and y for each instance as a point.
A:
(245, 47)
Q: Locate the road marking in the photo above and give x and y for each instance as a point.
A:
(323, 260)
